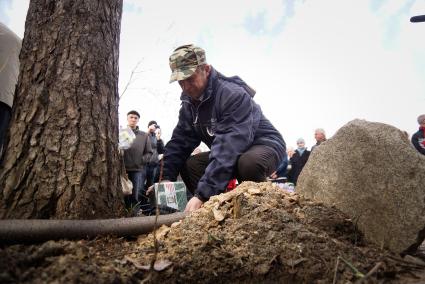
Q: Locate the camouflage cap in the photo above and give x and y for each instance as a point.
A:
(184, 61)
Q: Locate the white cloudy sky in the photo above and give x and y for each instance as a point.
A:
(313, 63)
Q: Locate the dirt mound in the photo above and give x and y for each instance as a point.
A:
(262, 233)
(256, 233)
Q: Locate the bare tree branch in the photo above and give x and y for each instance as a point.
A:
(134, 71)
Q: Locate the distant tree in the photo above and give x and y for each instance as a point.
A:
(61, 158)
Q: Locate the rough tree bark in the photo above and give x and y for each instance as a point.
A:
(61, 159)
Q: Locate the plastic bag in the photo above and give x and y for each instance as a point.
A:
(126, 184)
(126, 138)
(288, 186)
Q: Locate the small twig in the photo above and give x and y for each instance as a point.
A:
(356, 230)
(336, 270)
(357, 273)
(404, 262)
(146, 280)
(155, 240)
(131, 76)
(371, 272)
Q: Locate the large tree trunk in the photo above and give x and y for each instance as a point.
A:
(61, 160)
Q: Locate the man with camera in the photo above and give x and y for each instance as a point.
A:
(152, 167)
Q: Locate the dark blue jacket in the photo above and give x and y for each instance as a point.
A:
(418, 140)
(229, 122)
(282, 169)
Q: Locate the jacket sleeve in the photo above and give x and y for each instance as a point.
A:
(147, 154)
(234, 134)
(181, 145)
(281, 169)
(160, 146)
(415, 142)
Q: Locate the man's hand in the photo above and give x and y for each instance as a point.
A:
(150, 188)
(193, 204)
(273, 175)
(158, 134)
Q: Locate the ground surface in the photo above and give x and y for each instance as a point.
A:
(256, 233)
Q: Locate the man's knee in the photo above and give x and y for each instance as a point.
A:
(250, 168)
(191, 163)
(197, 163)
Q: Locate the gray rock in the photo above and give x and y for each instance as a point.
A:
(371, 172)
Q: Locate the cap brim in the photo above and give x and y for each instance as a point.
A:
(182, 74)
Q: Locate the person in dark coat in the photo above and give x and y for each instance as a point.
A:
(320, 136)
(152, 167)
(298, 161)
(135, 159)
(418, 139)
(219, 111)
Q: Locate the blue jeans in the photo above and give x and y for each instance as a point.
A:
(138, 196)
(151, 174)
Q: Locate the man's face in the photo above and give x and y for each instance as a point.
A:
(300, 144)
(290, 152)
(152, 128)
(319, 136)
(132, 120)
(195, 85)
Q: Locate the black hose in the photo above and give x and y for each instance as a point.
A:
(14, 231)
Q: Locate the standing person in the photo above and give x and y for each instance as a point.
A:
(320, 136)
(10, 46)
(219, 111)
(157, 148)
(418, 139)
(298, 161)
(135, 159)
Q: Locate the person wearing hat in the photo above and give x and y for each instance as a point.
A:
(135, 159)
(157, 145)
(418, 139)
(219, 111)
(298, 161)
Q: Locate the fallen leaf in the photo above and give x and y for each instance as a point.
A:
(162, 264)
(214, 239)
(294, 262)
(175, 224)
(262, 268)
(159, 265)
(254, 190)
(162, 231)
(227, 196)
(218, 215)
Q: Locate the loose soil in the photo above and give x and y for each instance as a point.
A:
(257, 233)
